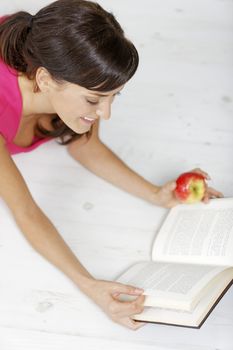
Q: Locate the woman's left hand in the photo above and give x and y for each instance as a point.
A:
(165, 195)
(210, 192)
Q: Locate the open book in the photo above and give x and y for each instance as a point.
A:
(191, 266)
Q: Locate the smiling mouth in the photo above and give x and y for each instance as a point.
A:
(88, 121)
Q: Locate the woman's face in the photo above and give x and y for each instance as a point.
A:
(79, 107)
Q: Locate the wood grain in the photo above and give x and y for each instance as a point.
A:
(175, 115)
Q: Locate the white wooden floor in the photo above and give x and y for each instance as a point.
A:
(175, 115)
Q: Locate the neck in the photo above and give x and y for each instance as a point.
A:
(34, 103)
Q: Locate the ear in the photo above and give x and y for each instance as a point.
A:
(43, 79)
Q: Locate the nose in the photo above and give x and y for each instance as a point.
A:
(104, 111)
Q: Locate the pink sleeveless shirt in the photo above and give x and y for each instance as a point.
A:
(11, 110)
(11, 106)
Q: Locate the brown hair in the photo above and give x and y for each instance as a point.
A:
(77, 41)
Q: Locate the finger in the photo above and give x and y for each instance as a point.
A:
(119, 288)
(206, 198)
(212, 192)
(140, 324)
(132, 324)
(116, 295)
(127, 308)
(118, 310)
(137, 325)
(202, 172)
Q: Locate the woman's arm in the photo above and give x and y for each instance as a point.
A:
(45, 239)
(36, 227)
(100, 160)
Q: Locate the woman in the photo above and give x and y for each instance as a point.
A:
(60, 70)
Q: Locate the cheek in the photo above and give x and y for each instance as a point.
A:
(70, 107)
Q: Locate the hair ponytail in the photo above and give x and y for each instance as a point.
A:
(77, 41)
(13, 35)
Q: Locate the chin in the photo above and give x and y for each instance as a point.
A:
(81, 130)
(78, 129)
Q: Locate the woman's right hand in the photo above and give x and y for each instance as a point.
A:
(105, 294)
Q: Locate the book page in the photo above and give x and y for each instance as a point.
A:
(200, 233)
(185, 318)
(174, 286)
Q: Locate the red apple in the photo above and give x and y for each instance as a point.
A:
(190, 187)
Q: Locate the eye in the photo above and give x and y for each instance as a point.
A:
(92, 102)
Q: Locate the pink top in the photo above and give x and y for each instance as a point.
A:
(11, 106)
(11, 110)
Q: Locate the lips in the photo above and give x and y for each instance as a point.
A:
(87, 120)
